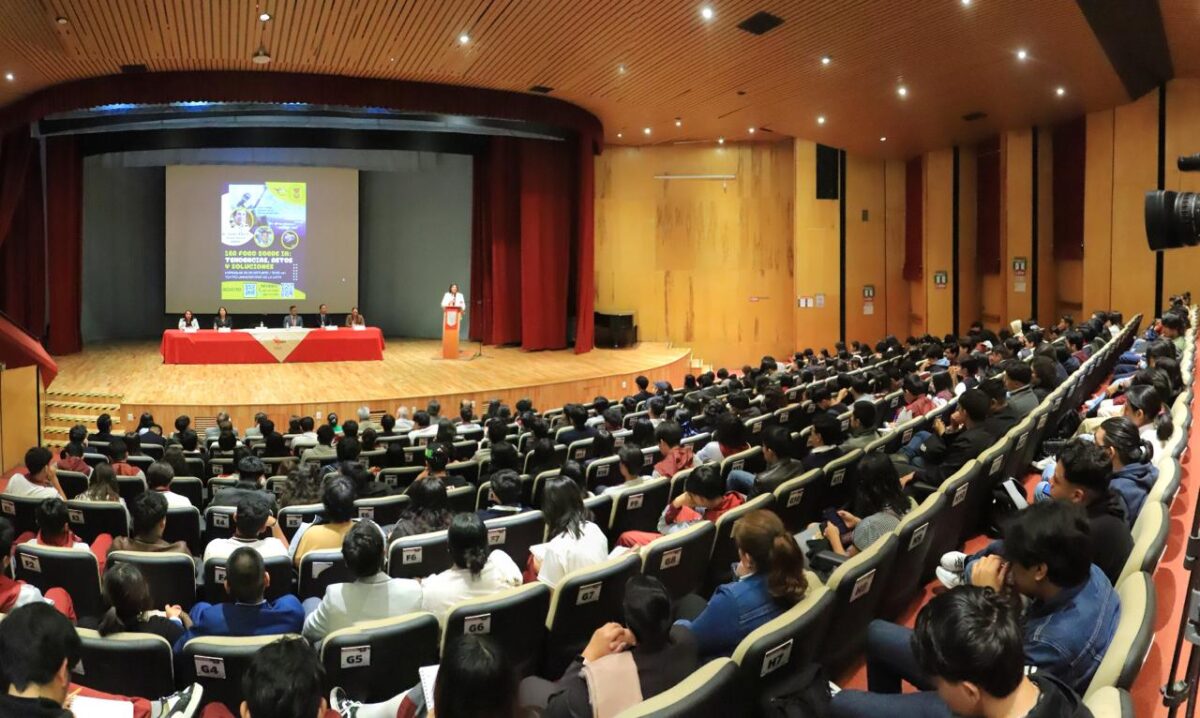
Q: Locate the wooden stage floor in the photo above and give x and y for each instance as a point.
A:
(411, 373)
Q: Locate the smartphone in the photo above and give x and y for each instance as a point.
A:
(831, 516)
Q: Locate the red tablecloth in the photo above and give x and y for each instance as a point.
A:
(317, 345)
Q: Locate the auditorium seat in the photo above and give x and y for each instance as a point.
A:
(279, 568)
(20, 511)
(1149, 540)
(841, 478)
(915, 536)
(638, 508)
(125, 663)
(600, 508)
(601, 472)
(94, 459)
(800, 500)
(290, 517)
(216, 483)
(89, 519)
(696, 441)
(469, 470)
(783, 646)
(461, 498)
(515, 619)
(218, 523)
(680, 559)
(1109, 702)
(218, 465)
(319, 570)
(583, 601)
(712, 691)
(749, 460)
(375, 660)
(956, 517)
(419, 556)
(580, 450)
(1170, 476)
(183, 524)
(71, 569)
(73, 483)
(858, 586)
(171, 576)
(1131, 641)
(515, 534)
(725, 552)
(400, 478)
(191, 487)
(902, 433)
(754, 428)
(537, 487)
(218, 663)
(384, 510)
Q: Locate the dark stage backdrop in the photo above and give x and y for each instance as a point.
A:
(415, 211)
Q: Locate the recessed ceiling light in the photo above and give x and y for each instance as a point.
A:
(883, 139)
(645, 130)
(720, 140)
(621, 69)
(966, 2)
(821, 119)
(620, 135)
(707, 13)
(60, 20)
(1022, 55)
(679, 122)
(902, 91)
(826, 59)
(463, 39)
(1060, 91)
(751, 130)
(9, 76)
(264, 17)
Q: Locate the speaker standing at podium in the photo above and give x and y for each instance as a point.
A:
(453, 307)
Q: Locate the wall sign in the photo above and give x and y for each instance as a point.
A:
(941, 279)
(868, 291)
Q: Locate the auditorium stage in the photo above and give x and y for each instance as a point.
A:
(131, 375)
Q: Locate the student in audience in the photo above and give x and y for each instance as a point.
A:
(54, 530)
(424, 427)
(942, 384)
(284, 679)
(274, 446)
(704, 498)
(878, 504)
(604, 445)
(1017, 378)
(323, 450)
(629, 467)
(676, 456)
(158, 478)
(1069, 621)
(1174, 328)
(71, 456)
(302, 487)
(656, 410)
(949, 448)
(505, 456)
(40, 480)
(372, 595)
(252, 518)
(643, 392)
(336, 520)
(575, 542)
(130, 609)
(622, 665)
(173, 455)
(16, 593)
(916, 399)
(429, 509)
(476, 571)
(504, 496)
(542, 457)
(1133, 474)
(102, 486)
(247, 613)
(768, 579)
(103, 429)
(641, 433)
(1144, 407)
(1045, 376)
(578, 416)
(1001, 416)
(729, 438)
(251, 476)
(149, 513)
(437, 458)
(777, 450)
(823, 442)
(862, 426)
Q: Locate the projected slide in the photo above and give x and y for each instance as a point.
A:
(262, 238)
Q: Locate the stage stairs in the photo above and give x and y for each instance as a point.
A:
(62, 410)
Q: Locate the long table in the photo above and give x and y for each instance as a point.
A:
(271, 346)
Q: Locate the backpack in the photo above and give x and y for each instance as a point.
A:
(805, 694)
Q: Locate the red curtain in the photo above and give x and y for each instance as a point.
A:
(64, 242)
(546, 234)
(987, 202)
(22, 245)
(585, 257)
(914, 218)
(1070, 155)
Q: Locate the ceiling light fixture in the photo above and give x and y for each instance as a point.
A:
(620, 135)
(621, 69)
(821, 119)
(9, 76)
(1022, 55)
(883, 139)
(720, 140)
(645, 130)
(679, 122)
(707, 13)
(60, 20)
(265, 17)
(902, 91)
(826, 59)
(966, 2)
(463, 39)
(751, 130)
(1060, 91)
(261, 56)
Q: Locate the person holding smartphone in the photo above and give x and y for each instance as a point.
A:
(878, 505)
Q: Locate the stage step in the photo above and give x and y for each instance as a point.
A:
(61, 410)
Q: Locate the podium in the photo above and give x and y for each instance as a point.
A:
(451, 317)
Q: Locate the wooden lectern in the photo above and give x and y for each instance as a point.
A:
(451, 316)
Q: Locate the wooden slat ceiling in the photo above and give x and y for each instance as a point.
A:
(954, 58)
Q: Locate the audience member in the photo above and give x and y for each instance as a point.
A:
(575, 542)
(504, 496)
(428, 509)
(103, 429)
(777, 450)
(158, 478)
(703, 499)
(1133, 474)
(323, 450)
(476, 571)
(729, 438)
(40, 480)
(823, 442)
(149, 514)
(1017, 378)
(102, 486)
(676, 456)
(862, 426)
(251, 519)
(71, 456)
(878, 504)
(333, 524)
(130, 609)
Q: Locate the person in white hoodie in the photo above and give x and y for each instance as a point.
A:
(475, 573)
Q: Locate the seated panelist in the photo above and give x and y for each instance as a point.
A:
(354, 319)
(222, 320)
(292, 319)
(188, 321)
(323, 318)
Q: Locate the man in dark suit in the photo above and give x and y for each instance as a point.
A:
(951, 447)
(103, 429)
(1001, 415)
(323, 318)
(1017, 378)
(292, 319)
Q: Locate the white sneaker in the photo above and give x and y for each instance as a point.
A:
(954, 561)
(182, 704)
(340, 704)
(949, 579)
(834, 689)
(1044, 463)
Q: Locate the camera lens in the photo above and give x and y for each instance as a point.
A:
(1172, 219)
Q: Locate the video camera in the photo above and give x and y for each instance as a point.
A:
(1173, 218)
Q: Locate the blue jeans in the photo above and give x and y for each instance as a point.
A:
(740, 481)
(913, 448)
(890, 661)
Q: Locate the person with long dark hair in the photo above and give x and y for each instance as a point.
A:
(1144, 407)
(130, 609)
(429, 510)
(476, 571)
(878, 505)
(575, 542)
(1133, 473)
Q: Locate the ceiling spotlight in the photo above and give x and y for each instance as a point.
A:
(707, 13)
(9, 76)
(621, 69)
(720, 140)
(966, 2)
(1022, 55)
(60, 20)
(1060, 91)
(620, 135)
(264, 17)
(902, 91)
(751, 130)
(679, 122)
(645, 130)
(883, 139)
(821, 119)
(826, 59)
(261, 56)
(463, 39)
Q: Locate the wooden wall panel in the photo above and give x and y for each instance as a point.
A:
(704, 263)
(939, 227)
(1047, 275)
(895, 301)
(1135, 166)
(970, 287)
(1182, 266)
(1098, 213)
(866, 255)
(1069, 287)
(19, 401)
(816, 254)
(1017, 222)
